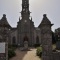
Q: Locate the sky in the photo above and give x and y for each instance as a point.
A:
(12, 9)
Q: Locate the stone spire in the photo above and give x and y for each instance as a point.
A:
(25, 13)
(4, 21)
(45, 20)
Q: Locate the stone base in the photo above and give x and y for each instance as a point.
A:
(46, 57)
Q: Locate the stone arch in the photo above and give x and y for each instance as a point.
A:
(26, 42)
(37, 39)
(13, 40)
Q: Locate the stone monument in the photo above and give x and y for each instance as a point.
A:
(46, 38)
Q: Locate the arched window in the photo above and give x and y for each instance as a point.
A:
(37, 40)
(14, 40)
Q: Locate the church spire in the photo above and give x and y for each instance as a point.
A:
(24, 1)
(25, 13)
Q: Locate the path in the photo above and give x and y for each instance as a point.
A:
(26, 55)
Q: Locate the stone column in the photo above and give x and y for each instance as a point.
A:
(46, 38)
(6, 48)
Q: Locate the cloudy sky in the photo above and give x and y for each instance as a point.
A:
(38, 7)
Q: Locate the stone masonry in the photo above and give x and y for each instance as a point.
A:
(46, 38)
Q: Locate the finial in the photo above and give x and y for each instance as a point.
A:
(44, 15)
(4, 15)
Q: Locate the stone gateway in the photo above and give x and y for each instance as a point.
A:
(27, 35)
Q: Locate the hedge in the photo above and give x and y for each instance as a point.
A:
(39, 51)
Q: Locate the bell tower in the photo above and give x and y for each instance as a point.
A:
(25, 13)
(25, 26)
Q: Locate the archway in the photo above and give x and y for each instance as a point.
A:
(26, 42)
(25, 38)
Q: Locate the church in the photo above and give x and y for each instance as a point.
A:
(25, 30)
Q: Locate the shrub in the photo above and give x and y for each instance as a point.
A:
(39, 51)
(12, 47)
(11, 53)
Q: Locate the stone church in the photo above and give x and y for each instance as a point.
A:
(25, 30)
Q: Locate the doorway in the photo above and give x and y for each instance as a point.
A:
(26, 41)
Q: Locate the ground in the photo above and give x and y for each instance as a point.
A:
(26, 55)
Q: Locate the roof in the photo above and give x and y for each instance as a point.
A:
(14, 28)
(4, 22)
(45, 20)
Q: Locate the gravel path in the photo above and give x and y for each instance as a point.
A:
(26, 55)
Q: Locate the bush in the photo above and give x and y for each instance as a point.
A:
(12, 47)
(39, 51)
(11, 53)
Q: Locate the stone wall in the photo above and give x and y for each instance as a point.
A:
(37, 33)
(13, 34)
(56, 56)
(2, 56)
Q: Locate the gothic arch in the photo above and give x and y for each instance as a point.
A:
(26, 42)
(25, 38)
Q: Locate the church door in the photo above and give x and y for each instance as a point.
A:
(25, 41)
